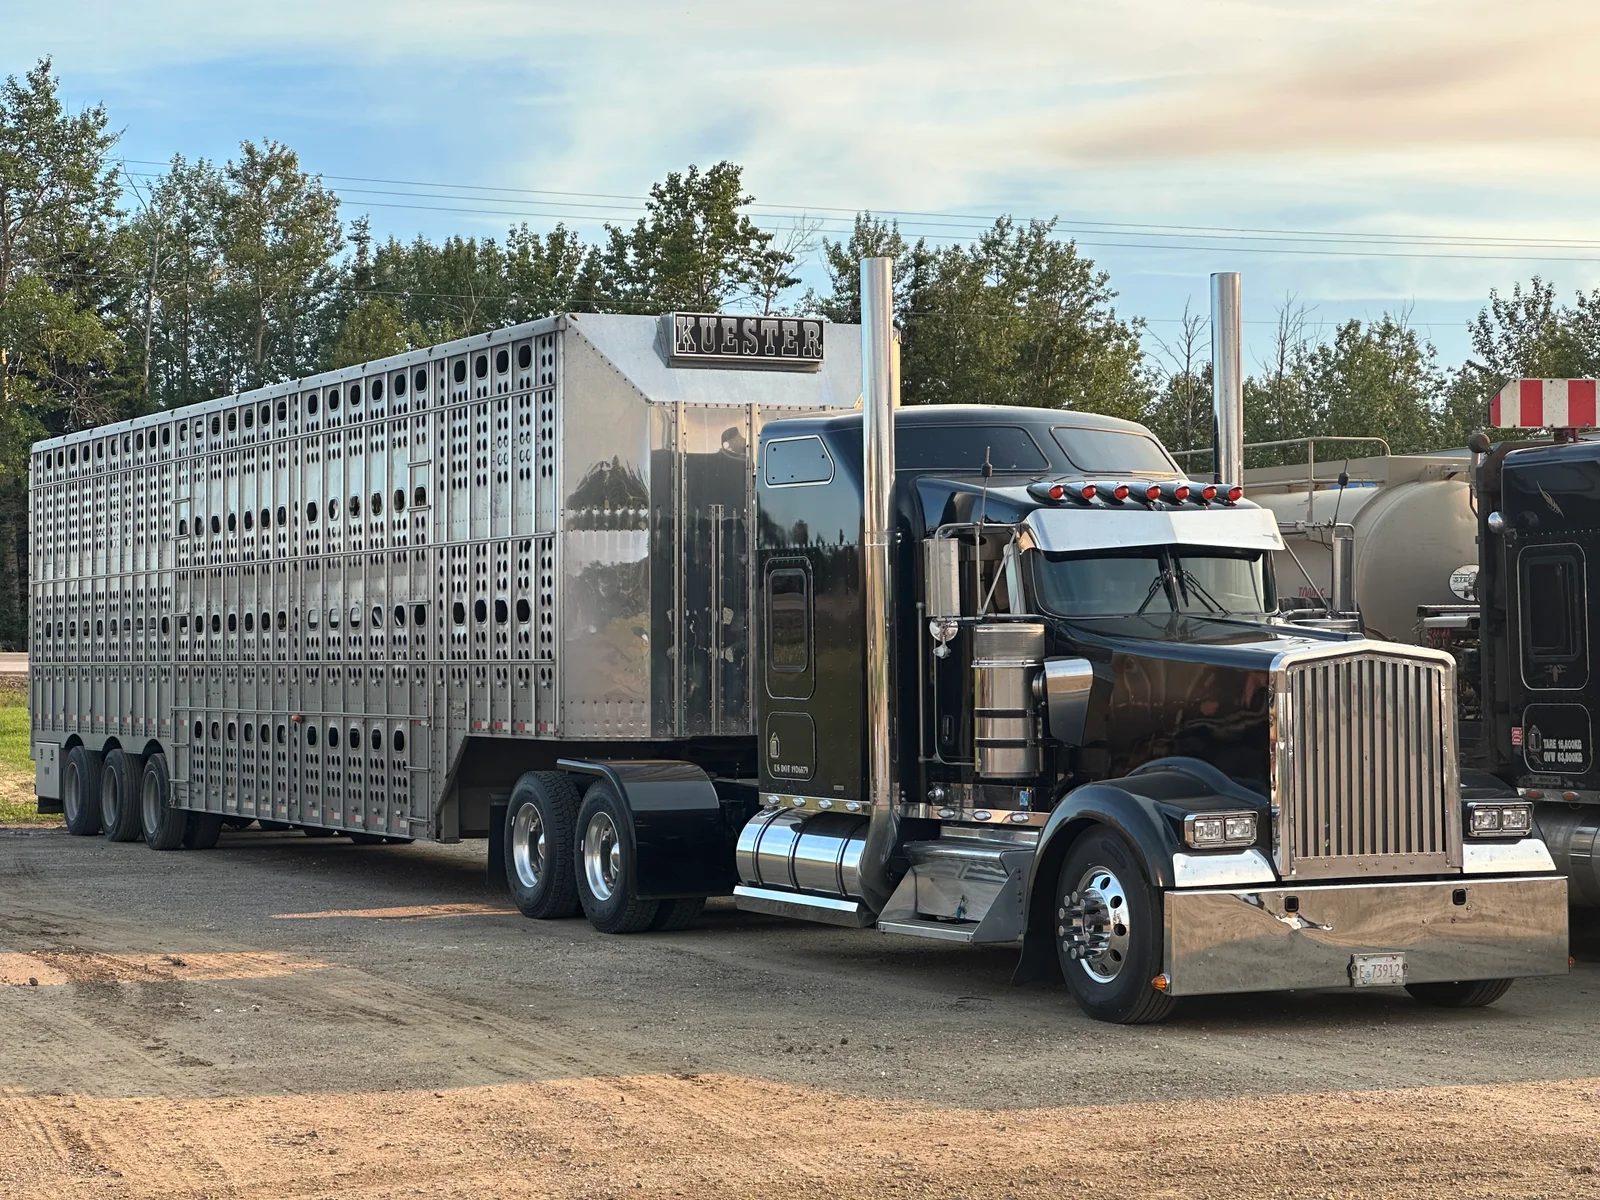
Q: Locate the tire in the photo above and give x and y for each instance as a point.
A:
(540, 818)
(80, 792)
(1109, 935)
(602, 859)
(1472, 993)
(683, 913)
(162, 825)
(275, 826)
(202, 830)
(119, 796)
(316, 831)
(366, 839)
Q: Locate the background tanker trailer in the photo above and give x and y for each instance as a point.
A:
(1398, 536)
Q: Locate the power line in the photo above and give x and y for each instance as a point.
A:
(937, 220)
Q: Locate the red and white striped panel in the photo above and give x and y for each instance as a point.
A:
(1545, 404)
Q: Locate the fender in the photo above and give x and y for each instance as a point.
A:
(1140, 807)
(676, 828)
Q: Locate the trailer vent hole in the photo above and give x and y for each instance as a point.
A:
(355, 393)
(524, 357)
(283, 735)
(420, 496)
(283, 620)
(249, 732)
(249, 622)
(377, 739)
(458, 613)
(419, 615)
(233, 622)
(524, 610)
(502, 612)
(480, 367)
(283, 515)
(266, 415)
(460, 372)
(199, 731)
(502, 361)
(399, 500)
(233, 523)
(355, 738)
(400, 616)
(311, 511)
(480, 611)
(311, 735)
(399, 384)
(216, 523)
(399, 740)
(166, 626)
(377, 504)
(311, 405)
(333, 736)
(377, 617)
(216, 731)
(266, 518)
(216, 622)
(420, 379)
(377, 389)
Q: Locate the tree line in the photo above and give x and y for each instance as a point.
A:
(122, 294)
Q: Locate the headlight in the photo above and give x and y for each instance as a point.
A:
(1494, 819)
(1215, 831)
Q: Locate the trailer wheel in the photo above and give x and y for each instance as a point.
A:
(1472, 993)
(673, 915)
(162, 825)
(538, 845)
(1109, 932)
(119, 796)
(202, 831)
(366, 839)
(603, 860)
(80, 792)
(316, 831)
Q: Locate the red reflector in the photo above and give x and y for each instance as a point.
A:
(1235, 494)
(1153, 492)
(1121, 491)
(1057, 491)
(1209, 492)
(1180, 493)
(1087, 491)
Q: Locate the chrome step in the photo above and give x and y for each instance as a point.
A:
(802, 906)
(944, 931)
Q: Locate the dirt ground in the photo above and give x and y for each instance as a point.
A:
(287, 1017)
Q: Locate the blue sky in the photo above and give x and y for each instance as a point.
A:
(1416, 148)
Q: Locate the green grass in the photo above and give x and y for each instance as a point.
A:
(17, 805)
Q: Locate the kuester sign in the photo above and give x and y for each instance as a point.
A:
(711, 339)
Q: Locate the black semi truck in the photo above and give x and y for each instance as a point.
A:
(666, 612)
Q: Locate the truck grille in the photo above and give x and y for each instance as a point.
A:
(1365, 775)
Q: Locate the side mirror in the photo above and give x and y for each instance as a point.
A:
(1064, 686)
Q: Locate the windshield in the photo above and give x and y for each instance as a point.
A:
(1150, 580)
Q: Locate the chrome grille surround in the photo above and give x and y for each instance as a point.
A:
(1365, 780)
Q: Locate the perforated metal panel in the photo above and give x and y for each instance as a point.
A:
(308, 596)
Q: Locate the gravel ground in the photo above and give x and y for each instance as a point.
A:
(285, 1016)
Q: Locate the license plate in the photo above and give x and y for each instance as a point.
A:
(1377, 970)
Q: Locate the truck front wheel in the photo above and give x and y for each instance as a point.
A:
(538, 845)
(1472, 993)
(1108, 930)
(603, 861)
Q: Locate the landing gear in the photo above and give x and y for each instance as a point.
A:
(1109, 932)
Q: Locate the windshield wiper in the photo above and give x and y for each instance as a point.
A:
(1155, 585)
(1189, 583)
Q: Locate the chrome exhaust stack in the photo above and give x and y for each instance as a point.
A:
(880, 388)
(1227, 378)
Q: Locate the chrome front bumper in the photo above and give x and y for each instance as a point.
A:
(1277, 938)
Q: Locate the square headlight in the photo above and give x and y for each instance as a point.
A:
(1216, 831)
(1493, 818)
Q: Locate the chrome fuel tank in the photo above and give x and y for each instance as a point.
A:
(815, 852)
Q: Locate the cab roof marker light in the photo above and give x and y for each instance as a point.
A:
(1088, 492)
(1057, 492)
(1153, 492)
(1234, 494)
(1180, 492)
(1120, 492)
(1208, 493)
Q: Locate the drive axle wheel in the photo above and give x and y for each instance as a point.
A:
(1472, 993)
(162, 825)
(80, 792)
(538, 845)
(119, 796)
(604, 863)
(1109, 932)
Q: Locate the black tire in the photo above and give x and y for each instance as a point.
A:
(202, 831)
(366, 839)
(1109, 935)
(399, 841)
(682, 913)
(540, 818)
(276, 826)
(317, 831)
(80, 792)
(602, 859)
(119, 796)
(1471, 993)
(162, 825)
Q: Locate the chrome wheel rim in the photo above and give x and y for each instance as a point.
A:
(528, 846)
(602, 856)
(150, 801)
(1094, 926)
(109, 798)
(71, 800)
